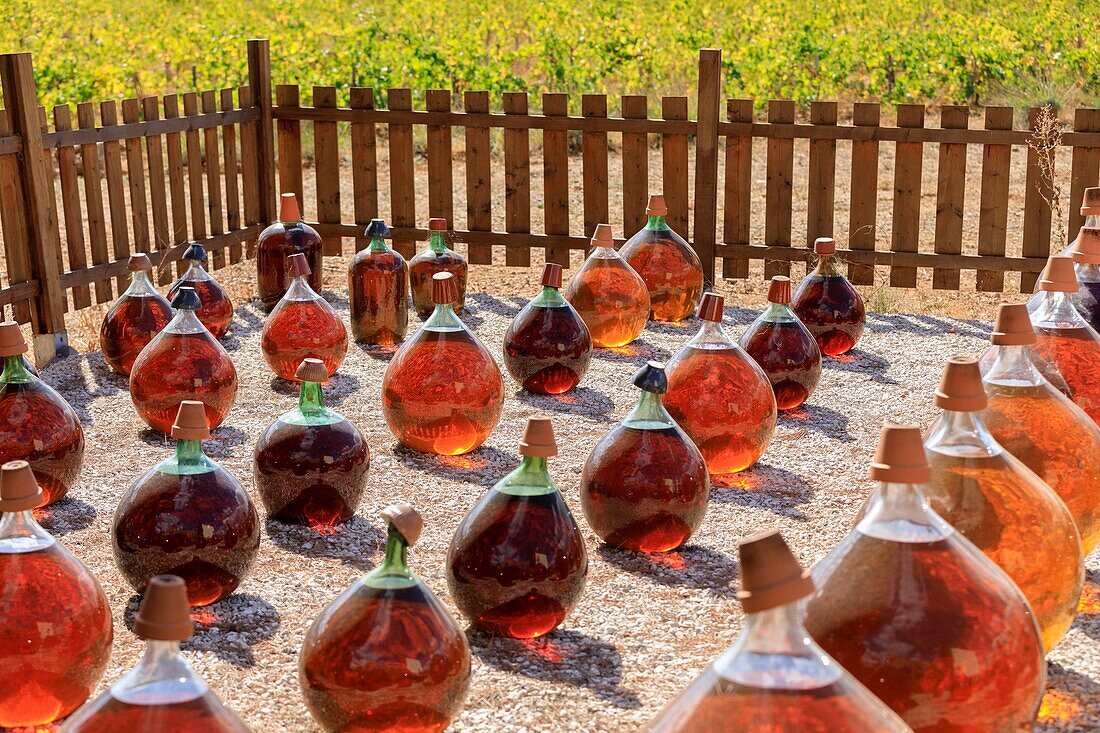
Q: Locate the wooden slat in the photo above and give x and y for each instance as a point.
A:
(778, 189)
(479, 190)
(635, 166)
(14, 223)
(136, 178)
(821, 198)
(738, 204)
(1085, 167)
(194, 172)
(70, 204)
(706, 159)
(993, 215)
(862, 213)
(232, 187)
(290, 146)
(1037, 216)
(93, 198)
(116, 190)
(950, 196)
(674, 166)
(440, 169)
(326, 162)
(908, 166)
(250, 163)
(364, 166)
(173, 142)
(158, 191)
(402, 174)
(594, 161)
(555, 176)
(212, 160)
(517, 181)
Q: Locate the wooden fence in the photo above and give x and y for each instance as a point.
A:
(203, 166)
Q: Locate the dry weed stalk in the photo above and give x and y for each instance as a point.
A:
(1045, 140)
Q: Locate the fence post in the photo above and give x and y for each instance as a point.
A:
(706, 159)
(44, 241)
(259, 78)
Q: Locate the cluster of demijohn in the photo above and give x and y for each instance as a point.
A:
(932, 614)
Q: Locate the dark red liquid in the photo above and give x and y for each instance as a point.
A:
(832, 311)
(944, 642)
(645, 490)
(385, 661)
(1076, 353)
(442, 393)
(517, 564)
(547, 350)
(724, 403)
(423, 266)
(216, 312)
(131, 323)
(184, 366)
(789, 356)
(275, 244)
(302, 329)
(55, 636)
(378, 284)
(37, 425)
(311, 474)
(202, 527)
(203, 714)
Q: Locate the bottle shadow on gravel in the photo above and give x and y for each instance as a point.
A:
(563, 656)
(764, 487)
(66, 516)
(691, 566)
(353, 543)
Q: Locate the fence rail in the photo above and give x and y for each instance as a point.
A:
(80, 192)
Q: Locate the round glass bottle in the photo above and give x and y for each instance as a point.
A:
(378, 283)
(386, 655)
(311, 463)
(437, 257)
(547, 347)
(135, 318)
(303, 325)
(288, 236)
(783, 347)
(611, 298)
(645, 485)
(215, 309)
(827, 304)
(720, 396)
(187, 516)
(667, 264)
(517, 563)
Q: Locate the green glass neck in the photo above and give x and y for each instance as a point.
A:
(438, 242)
(378, 244)
(550, 298)
(188, 460)
(531, 478)
(394, 571)
(650, 414)
(444, 318)
(656, 224)
(827, 266)
(15, 372)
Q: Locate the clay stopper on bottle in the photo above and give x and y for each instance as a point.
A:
(538, 439)
(711, 307)
(195, 252)
(311, 370)
(780, 290)
(19, 490)
(1090, 204)
(961, 388)
(652, 378)
(191, 422)
(1087, 248)
(900, 458)
(444, 290)
(603, 236)
(656, 206)
(299, 265)
(138, 262)
(437, 224)
(1059, 276)
(1013, 326)
(11, 339)
(825, 246)
(770, 573)
(551, 275)
(186, 299)
(165, 614)
(288, 209)
(405, 519)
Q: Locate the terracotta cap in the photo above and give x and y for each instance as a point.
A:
(603, 236)
(961, 388)
(444, 290)
(770, 573)
(825, 246)
(191, 422)
(1086, 249)
(165, 614)
(138, 262)
(551, 275)
(377, 228)
(437, 224)
(652, 378)
(405, 519)
(299, 265)
(196, 252)
(900, 458)
(11, 339)
(19, 489)
(1013, 326)
(656, 206)
(538, 438)
(186, 298)
(312, 370)
(288, 208)
(1090, 203)
(780, 290)
(1059, 276)
(711, 307)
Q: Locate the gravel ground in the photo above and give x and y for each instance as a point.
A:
(645, 626)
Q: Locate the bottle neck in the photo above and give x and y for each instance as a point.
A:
(444, 318)
(531, 478)
(1056, 310)
(711, 335)
(378, 244)
(827, 266)
(438, 242)
(162, 677)
(549, 298)
(656, 224)
(140, 285)
(962, 434)
(900, 513)
(1013, 365)
(649, 414)
(15, 371)
(20, 533)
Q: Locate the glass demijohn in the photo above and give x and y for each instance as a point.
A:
(378, 286)
(667, 264)
(135, 318)
(215, 309)
(288, 236)
(609, 295)
(436, 257)
(828, 305)
(784, 348)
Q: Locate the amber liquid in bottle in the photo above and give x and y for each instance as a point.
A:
(311, 464)
(378, 283)
(385, 655)
(37, 425)
(517, 563)
(188, 517)
(438, 257)
(669, 267)
(830, 308)
(788, 354)
(276, 243)
(55, 626)
(216, 312)
(547, 347)
(132, 322)
(610, 297)
(303, 325)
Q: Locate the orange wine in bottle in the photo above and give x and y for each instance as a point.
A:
(668, 265)
(55, 622)
(378, 286)
(386, 655)
(215, 310)
(828, 305)
(288, 236)
(437, 257)
(303, 325)
(609, 295)
(135, 318)
(784, 348)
